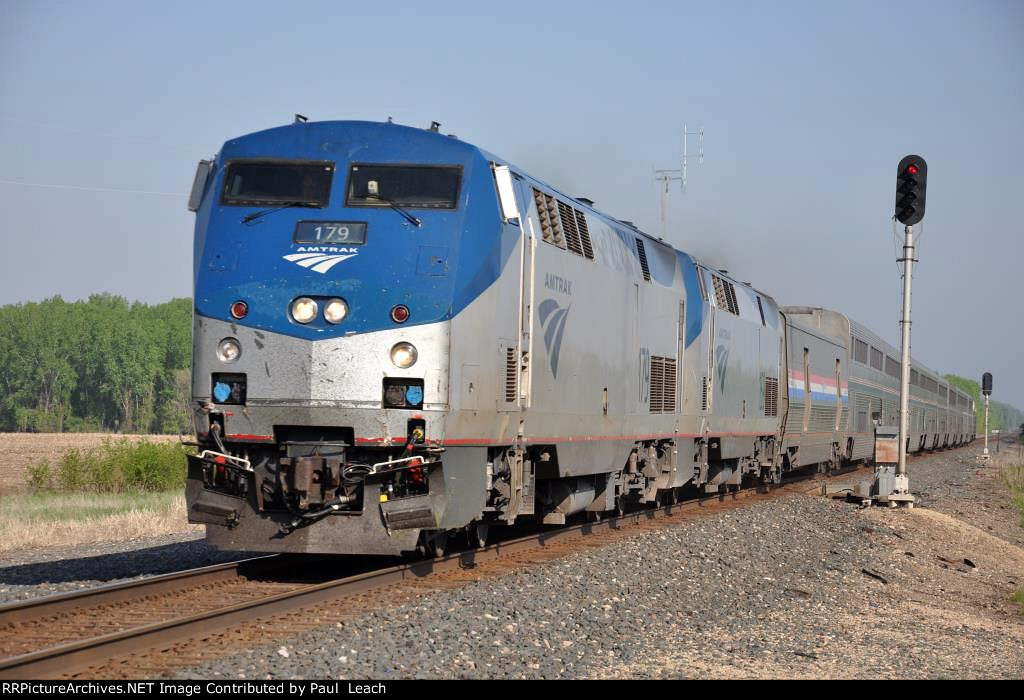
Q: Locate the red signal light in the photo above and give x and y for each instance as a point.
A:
(400, 314)
(911, 181)
(239, 309)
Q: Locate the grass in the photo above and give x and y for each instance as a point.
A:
(29, 520)
(44, 508)
(120, 491)
(1014, 477)
(1018, 598)
(116, 466)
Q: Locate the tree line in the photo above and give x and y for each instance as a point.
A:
(104, 364)
(1001, 416)
(107, 364)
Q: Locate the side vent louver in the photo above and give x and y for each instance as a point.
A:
(563, 225)
(725, 295)
(644, 267)
(663, 385)
(588, 246)
(704, 395)
(572, 234)
(511, 376)
(550, 226)
(771, 396)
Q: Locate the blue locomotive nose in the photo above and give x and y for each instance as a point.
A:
(371, 216)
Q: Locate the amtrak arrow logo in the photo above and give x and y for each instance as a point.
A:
(722, 363)
(552, 319)
(317, 262)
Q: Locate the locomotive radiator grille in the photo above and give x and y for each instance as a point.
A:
(511, 376)
(663, 385)
(771, 396)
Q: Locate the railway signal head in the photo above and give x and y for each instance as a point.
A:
(986, 384)
(911, 179)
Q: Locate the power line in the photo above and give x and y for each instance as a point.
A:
(90, 189)
(149, 140)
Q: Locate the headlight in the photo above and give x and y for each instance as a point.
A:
(336, 311)
(228, 350)
(303, 309)
(404, 355)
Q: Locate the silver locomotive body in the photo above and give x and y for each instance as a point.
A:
(564, 360)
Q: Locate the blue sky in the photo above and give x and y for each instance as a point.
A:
(807, 108)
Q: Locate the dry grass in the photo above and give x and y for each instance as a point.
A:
(62, 519)
(1013, 474)
(24, 449)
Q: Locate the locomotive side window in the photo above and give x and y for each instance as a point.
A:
(414, 186)
(877, 359)
(300, 183)
(860, 351)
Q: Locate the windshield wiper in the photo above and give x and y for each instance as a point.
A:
(287, 205)
(409, 217)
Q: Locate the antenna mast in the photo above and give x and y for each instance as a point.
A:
(668, 176)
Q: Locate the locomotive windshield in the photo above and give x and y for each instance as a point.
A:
(278, 182)
(417, 186)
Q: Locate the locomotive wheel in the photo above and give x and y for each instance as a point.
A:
(438, 544)
(477, 533)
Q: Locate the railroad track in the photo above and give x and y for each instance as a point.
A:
(86, 632)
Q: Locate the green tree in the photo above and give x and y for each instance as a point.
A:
(102, 363)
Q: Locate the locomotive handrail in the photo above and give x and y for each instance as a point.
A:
(230, 460)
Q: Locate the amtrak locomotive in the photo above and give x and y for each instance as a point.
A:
(399, 336)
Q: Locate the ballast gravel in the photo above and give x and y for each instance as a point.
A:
(796, 586)
(31, 574)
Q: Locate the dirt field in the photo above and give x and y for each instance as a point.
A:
(23, 449)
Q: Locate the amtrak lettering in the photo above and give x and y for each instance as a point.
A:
(552, 320)
(324, 249)
(321, 258)
(558, 284)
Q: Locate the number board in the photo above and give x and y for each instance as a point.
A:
(331, 232)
